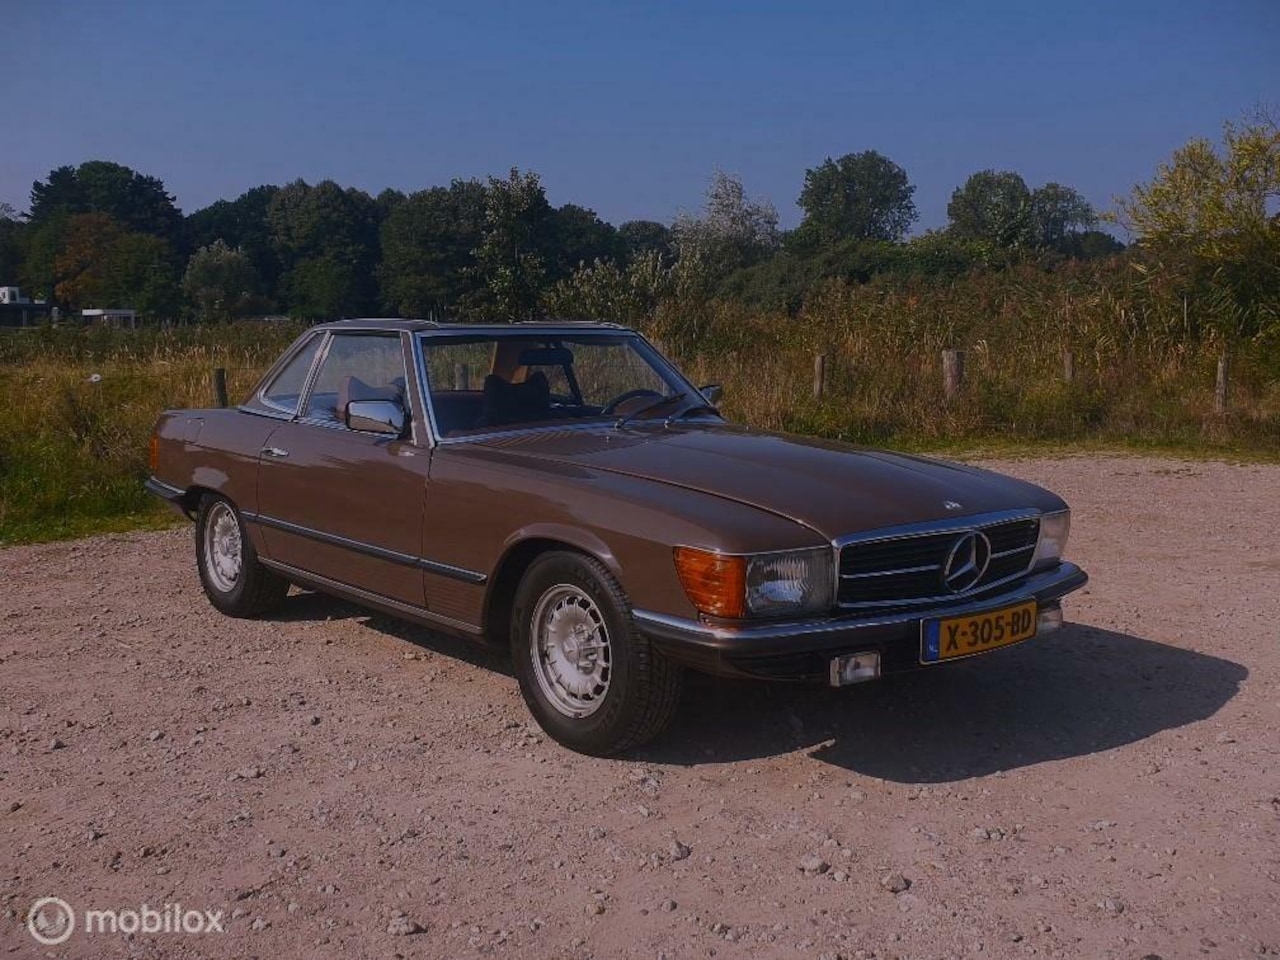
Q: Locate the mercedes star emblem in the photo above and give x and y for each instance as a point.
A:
(967, 561)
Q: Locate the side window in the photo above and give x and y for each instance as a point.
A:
(357, 367)
(284, 391)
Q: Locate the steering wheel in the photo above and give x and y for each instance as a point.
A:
(621, 398)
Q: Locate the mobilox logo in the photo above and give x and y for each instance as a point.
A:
(51, 920)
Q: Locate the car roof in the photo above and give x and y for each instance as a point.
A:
(486, 329)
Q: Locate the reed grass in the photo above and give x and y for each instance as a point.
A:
(78, 405)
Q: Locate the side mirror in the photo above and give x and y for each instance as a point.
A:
(376, 416)
(713, 393)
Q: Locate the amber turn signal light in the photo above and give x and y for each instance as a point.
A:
(153, 454)
(715, 583)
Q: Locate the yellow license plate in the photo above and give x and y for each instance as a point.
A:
(949, 638)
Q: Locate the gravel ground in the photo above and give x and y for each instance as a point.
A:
(342, 785)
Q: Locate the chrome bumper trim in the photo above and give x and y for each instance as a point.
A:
(1044, 587)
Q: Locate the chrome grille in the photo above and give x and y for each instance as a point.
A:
(894, 569)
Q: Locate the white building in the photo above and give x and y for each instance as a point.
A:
(114, 318)
(12, 295)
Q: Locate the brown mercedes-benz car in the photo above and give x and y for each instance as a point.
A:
(562, 488)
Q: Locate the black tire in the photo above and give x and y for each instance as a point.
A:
(256, 590)
(643, 688)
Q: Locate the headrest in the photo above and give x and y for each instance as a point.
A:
(546, 357)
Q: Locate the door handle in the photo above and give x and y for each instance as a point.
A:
(274, 452)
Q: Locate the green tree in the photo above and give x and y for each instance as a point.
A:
(733, 232)
(861, 196)
(42, 244)
(103, 264)
(1211, 214)
(511, 257)
(134, 200)
(324, 287)
(579, 237)
(1057, 213)
(327, 241)
(221, 283)
(1091, 245)
(604, 290)
(387, 201)
(242, 224)
(428, 250)
(12, 237)
(993, 207)
(639, 237)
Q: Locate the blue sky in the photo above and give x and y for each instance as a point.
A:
(623, 107)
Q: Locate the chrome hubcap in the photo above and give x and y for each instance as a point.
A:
(571, 656)
(222, 548)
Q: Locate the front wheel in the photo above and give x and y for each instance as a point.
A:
(233, 579)
(591, 681)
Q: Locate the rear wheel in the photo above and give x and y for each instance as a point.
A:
(233, 579)
(591, 681)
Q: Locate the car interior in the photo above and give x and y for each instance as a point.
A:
(516, 390)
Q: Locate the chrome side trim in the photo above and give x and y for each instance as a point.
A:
(424, 391)
(369, 549)
(322, 354)
(415, 400)
(375, 599)
(273, 413)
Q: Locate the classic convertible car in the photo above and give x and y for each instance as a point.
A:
(562, 489)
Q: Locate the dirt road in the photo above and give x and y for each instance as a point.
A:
(337, 784)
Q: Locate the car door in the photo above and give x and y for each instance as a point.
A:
(340, 503)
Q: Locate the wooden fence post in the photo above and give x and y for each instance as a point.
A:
(461, 376)
(1220, 388)
(952, 372)
(1068, 366)
(819, 375)
(220, 386)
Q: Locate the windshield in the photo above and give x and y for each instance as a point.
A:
(484, 382)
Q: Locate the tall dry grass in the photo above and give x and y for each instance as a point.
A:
(1145, 365)
(73, 448)
(78, 406)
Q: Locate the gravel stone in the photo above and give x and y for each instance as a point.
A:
(1112, 906)
(814, 864)
(895, 882)
(402, 926)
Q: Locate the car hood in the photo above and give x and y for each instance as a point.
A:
(831, 487)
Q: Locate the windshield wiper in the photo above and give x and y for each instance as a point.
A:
(701, 407)
(648, 408)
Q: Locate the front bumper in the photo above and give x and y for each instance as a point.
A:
(803, 650)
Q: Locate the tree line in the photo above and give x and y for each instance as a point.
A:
(101, 234)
